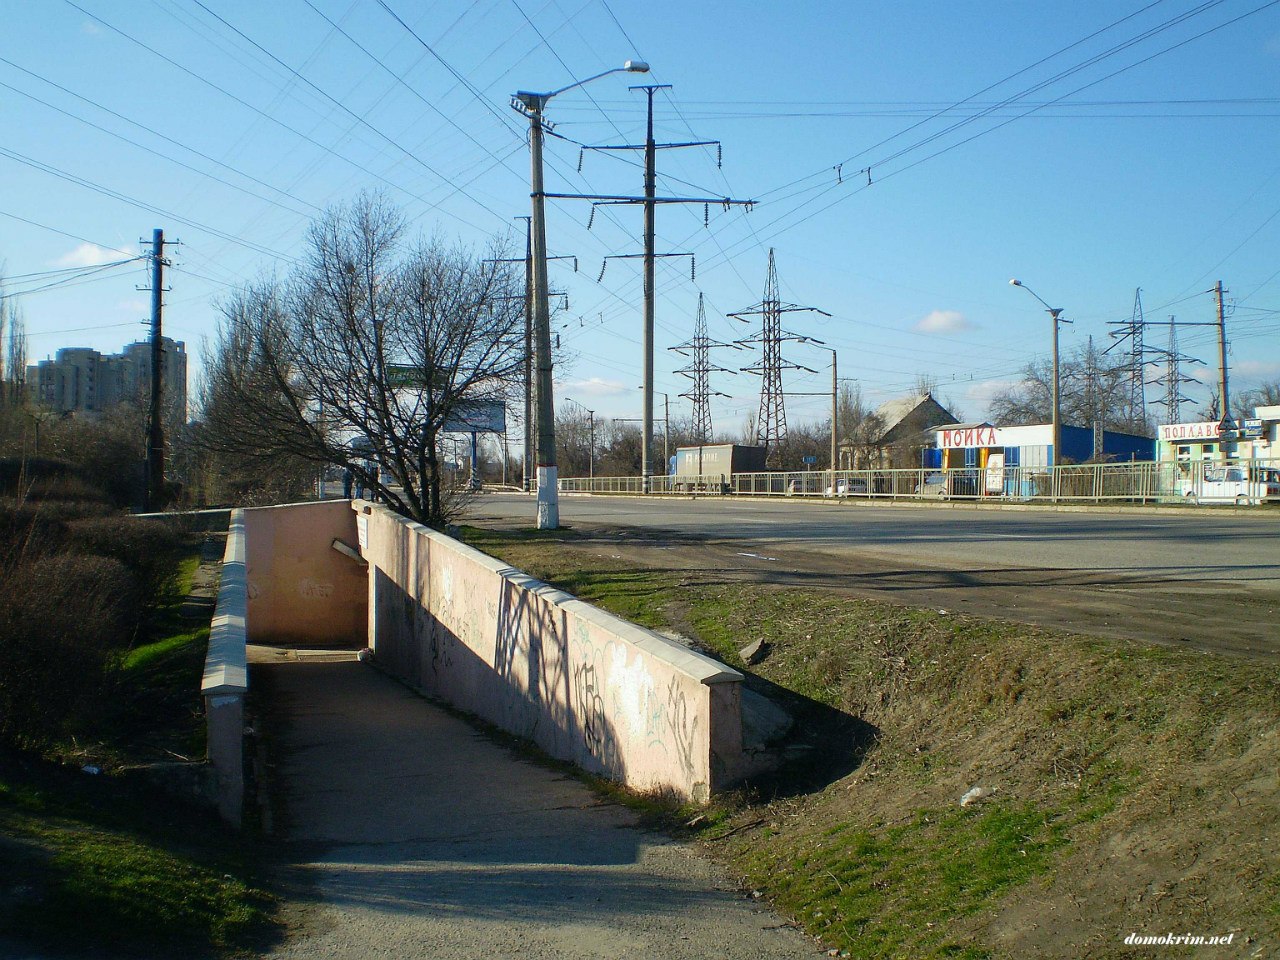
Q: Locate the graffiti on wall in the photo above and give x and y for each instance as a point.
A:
(683, 727)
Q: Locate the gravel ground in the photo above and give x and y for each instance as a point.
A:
(418, 836)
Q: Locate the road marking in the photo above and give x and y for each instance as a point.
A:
(758, 556)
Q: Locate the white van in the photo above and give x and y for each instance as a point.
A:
(1240, 485)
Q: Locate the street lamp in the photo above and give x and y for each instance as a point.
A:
(591, 426)
(1056, 314)
(532, 105)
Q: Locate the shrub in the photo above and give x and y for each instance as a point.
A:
(48, 480)
(62, 619)
(145, 547)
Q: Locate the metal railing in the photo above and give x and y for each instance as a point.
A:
(1183, 481)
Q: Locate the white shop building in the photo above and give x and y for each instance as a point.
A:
(1253, 438)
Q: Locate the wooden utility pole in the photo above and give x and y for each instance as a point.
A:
(1222, 350)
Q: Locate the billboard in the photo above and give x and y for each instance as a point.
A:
(477, 416)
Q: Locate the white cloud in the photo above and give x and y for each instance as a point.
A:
(595, 387)
(1260, 369)
(944, 321)
(89, 255)
(90, 28)
(978, 396)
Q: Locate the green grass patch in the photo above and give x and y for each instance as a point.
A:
(108, 864)
(896, 890)
(93, 870)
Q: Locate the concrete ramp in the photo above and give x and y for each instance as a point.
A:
(422, 837)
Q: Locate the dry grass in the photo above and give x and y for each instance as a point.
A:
(1134, 789)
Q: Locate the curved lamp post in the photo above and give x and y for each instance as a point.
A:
(1055, 314)
(532, 105)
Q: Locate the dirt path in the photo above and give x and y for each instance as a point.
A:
(418, 836)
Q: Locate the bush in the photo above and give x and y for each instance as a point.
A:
(62, 620)
(47, 480)
(29, 528)
(145, 547)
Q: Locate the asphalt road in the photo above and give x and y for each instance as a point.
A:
(1197, 547)
(1197, 579)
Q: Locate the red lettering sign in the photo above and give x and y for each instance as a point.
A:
(1173, 432)
(969, 437)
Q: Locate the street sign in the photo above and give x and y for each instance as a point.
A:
(476, 416)
(809, 460)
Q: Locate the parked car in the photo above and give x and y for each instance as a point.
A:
(945, 485)
(849, 487)
(935, 485)
(1233, 484)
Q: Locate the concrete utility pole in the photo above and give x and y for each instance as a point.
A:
(547, 480)
(650, 307)
(1222, 349)
(527, 485)
(155, 430)
(532, 105)
(835, 414)
(650, 200)
(530, 420)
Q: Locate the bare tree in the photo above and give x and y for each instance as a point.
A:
(17, 359)
(619, 446)
(1263, 395)
(371, 340)
(860, 426)
(573, 440)
(13, 336)
(1091, 388)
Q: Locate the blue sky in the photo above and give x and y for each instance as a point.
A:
(1085, 185)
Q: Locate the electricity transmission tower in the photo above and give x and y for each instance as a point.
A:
(771, 423)
(699, 371)
(1129, 337)
(1173, 378)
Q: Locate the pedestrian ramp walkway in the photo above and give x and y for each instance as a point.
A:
(419, 835)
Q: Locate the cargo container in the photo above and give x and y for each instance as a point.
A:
(710, 468)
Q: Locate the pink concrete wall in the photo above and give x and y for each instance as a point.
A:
(300, 590)
(587, 687)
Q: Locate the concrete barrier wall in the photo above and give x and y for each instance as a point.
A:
(586, 686)
(300, 590)
(226, 677)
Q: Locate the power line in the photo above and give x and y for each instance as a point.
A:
(140, 204)
(363, 168)
(362, 121)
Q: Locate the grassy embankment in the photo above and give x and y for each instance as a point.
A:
(1132, 789)
(105, 861)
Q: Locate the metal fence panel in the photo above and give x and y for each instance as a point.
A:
(1185, 481)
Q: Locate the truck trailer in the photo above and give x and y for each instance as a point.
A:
(710, 468)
